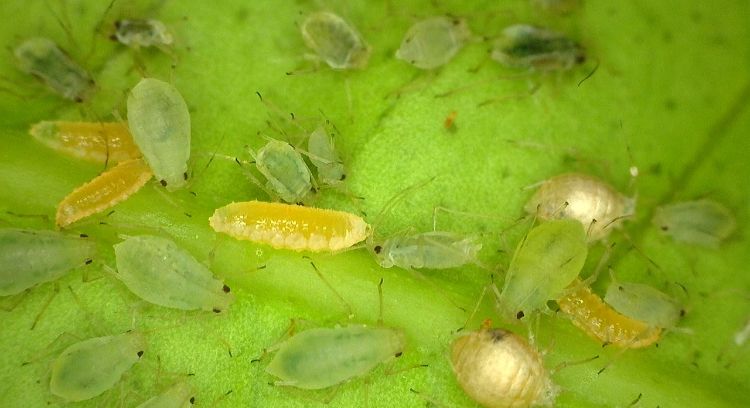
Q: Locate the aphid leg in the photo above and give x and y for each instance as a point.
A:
(635, 401)
(430, 401)
(8, 303)
(480, 83)
(566, 364)
(55, 291)
(520, 95)
(598, 269)
(347, 306)
(396, 198)
(418, 82)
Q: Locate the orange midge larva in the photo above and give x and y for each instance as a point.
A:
(600, 321)
(93, 141)
(499, 369)
(104, 191)
(287, 226)
(594, 203)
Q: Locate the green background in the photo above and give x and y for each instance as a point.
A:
(672, 85)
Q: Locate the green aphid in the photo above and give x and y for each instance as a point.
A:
(286, 172)
(700, 222)
(644, 303)
(180, 395)
(525, 46)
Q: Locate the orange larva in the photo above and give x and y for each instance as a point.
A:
(600, 321)
(499, 369)
(104, 191)
(287, 226)
(93, 141)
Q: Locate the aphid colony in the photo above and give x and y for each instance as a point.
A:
(495, 367)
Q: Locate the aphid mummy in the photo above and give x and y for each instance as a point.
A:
(159, 121)
(433, 42)
(179, 395)
(324, 157)
(160, 272)
(499, 369)
(431, 250)
(91, 367)
(294, 227)
(525, 46)
(98, 142)
(700, 222)
(142, 33)
(335, 41)
(29, 257)
(545, 262)
(103, 192)
(43, 59)
(323, 357)
(589, 313)
(285, 170)
(644, 303)
(594, 203)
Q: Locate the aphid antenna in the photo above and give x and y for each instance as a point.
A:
(636, 400)
(63, 20)
(566, 364)
(437, 209)
(509, 97)
(590, 74)
(430, 401)
(345, 304)
(379, 218)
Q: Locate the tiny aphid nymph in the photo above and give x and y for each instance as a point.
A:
(324, 157)
(43, 59)
(433, 42)
(701, 222)
(160, 272)
(285, 226)
(335, 41)
(98, 142)
(103, 191)
(180, 395)
(142, 33)
(430, 250)
(594, 203)
(499, 369)
(31, 257)
(285, 170)
(90, 367)
(525, 46)
(644, 303)
(159, 121)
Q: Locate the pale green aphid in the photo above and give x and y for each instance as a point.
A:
(431, 250)
(324, 157)
(159, 121)
(644, 303)
(700, 222)
(179, 395)
(91, 367)
(43, 59)
(31, 257)
(433, 42)
(335, 41)
(160, 272)
(285, 170)
(323, 357)
(546, 261)
(526, 46)
(142, 33)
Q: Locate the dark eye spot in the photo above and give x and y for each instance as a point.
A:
(83, 236)
(664, 228)
(216, 310)
(397, 355)
(118, 23)
(343, 176)
(192, 400)
(377, 249)
(140, 354)
(682, 312)
(520, 315)
(88, 261)
(184, 175)
(498, 335)
(163, 183)
(226, 289)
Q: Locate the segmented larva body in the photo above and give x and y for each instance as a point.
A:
(286, 226)
(499, 369)
(589, 313)
(104, 191)
(93, 141)
(594, 203)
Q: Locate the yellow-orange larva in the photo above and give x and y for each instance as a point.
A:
(499, 369)
(589, 313)
(288, 226)
(93, 141)
(104, 191)
(594, 203)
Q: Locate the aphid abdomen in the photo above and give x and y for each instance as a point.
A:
(142, 33)
(701, 222)
(104, 191)
(431, 250)
(177, 396)
(285, 171)
(285, 226)
(159, 121)
(589, 313)
(498, 369)
(29, 257)
(160, 272)
(587, 199)
(525, 46)
(320, 358)
(91, 367)
(43, 59)
(93, 141)
(544, 264)
(433, 42)
(644, 303)
(335, 41)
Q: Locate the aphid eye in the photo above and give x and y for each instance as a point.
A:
(118, 23)
(620, 288)
(664, 228)
(83, 236)
(216, 310)
(163, 183)
(140, 354)
(397, 355)
(78, 99)
(343, 176)
(184, 175)
(226, 289)
(682, 312)
(113, 37)
(89, 261)
(520, 315)
(192, 400)
(377, 249)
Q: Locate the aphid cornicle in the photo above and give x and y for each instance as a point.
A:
(142, 33)
(103, 191)
(525, 46)
(545, 262)
(160, 272)
(285, 170)
(43, 59)
(159, 121)
(98, 142)
(592, 202)
(31, 257)
(433, 42)
(179, 395)
(335, 41)
(431, 250)
(90, 367)
(294, 227)
(701, 222)
(644, 303)
(499, 369)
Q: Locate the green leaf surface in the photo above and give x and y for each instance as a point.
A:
(672, 88)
